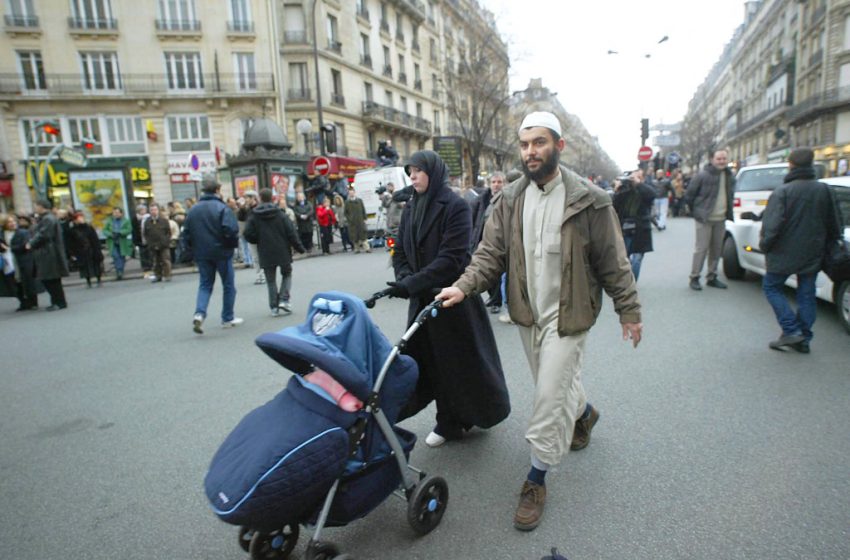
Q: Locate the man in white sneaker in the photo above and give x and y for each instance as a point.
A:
(212, 233)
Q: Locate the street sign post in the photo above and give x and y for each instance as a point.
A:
(72, 157)
(645, 153)
(322, 165)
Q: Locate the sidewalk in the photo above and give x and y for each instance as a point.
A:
(133, 268)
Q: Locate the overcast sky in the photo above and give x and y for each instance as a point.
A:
(565, 42)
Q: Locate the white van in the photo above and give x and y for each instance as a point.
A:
(366, 184)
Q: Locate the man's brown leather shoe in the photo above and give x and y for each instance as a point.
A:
(581, 432)
(532, 498)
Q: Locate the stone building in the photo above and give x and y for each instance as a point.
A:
(782, 81)
(154, 83)
(583, 153)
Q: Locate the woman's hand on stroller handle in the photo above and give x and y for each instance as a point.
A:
(450, 296)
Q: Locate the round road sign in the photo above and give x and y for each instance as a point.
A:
(645, 153)
(322, 165)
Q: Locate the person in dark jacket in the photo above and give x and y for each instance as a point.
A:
(709, 196)
(85, 248)
(799, 223)
(49, 254)
(211, 232)
(157, 233)
(305, 216)
(275, 237)
(480, 212)
(459, 364)
(633, 201)
(25, 263)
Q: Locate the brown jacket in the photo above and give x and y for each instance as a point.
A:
(157, 234)
(593, 257)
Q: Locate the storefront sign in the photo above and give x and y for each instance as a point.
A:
(180, 163)
(450, 150)
(57, 171)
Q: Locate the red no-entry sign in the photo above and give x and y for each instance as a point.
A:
(322, 165)
(645, 153)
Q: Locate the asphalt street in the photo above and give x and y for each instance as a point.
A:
(709, 446)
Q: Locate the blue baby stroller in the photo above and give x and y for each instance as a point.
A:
(325, 451)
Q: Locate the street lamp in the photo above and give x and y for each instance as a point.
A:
(318, 83)
(304, 128)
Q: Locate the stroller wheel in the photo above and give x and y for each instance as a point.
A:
(427, 504)
(276, 545)
(245, 536)
(321, 550)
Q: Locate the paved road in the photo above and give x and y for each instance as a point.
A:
(710, 445)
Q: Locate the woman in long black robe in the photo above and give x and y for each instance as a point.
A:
(459, 364)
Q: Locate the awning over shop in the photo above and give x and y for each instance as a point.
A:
(341, 166)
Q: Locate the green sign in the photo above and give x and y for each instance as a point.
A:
(57, 171)
(449, 148)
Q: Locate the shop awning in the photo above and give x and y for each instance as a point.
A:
(341, 166)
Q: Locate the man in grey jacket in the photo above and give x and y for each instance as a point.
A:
(558, 237)
(709, 197)
(800, 221)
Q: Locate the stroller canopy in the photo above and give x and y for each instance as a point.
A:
(339, 338)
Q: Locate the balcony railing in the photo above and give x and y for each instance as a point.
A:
(417, 85)
(389, 115)
(88, 23)
(302, 94)
(238, 26)
(335, 46)
(414, 45)
(366, 60)
(388, 71)
(402, 78)
(30, 22)
(338, 99)
(363, 13)
(816, 58)
(385, 26)
(399, 36)
(817, 14)
(435, 93)
(183, 25)
(818, 103)
(295, 37)
(143, 84)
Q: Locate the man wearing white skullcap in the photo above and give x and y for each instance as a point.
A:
(558, 238)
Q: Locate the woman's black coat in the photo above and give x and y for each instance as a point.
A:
(456, 351)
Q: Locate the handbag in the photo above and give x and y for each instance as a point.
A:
(836, 261)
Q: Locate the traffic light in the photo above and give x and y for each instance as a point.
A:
(644, 131)
(51, 130)
(87, 144)
(329, 138)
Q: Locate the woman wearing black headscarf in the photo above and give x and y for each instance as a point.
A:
(458, 360)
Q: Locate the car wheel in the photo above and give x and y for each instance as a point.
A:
(842, 304)
(731, 266)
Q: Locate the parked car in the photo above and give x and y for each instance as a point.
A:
(754, 184)
(741, 251)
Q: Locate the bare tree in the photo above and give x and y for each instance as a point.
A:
(699, 137)
(477, 95)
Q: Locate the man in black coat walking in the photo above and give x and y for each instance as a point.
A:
(49, 254)
(275, 237)
(799, 223)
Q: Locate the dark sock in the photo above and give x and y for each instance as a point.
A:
(537, 476)
(587, 409)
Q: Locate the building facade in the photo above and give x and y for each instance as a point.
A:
(149, 83)
(154, 83)
(783, 81)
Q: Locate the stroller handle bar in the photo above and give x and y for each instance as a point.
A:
(370, 303)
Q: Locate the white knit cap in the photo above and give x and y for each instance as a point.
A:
(541, 118)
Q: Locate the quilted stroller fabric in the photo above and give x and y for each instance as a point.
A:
(278, 464)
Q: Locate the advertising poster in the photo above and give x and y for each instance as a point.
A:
(243, 184)
(280, 184)
(96, 193)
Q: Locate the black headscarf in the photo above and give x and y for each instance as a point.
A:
(438, 178)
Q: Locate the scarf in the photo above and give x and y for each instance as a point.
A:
(438, 178)
(799, 173)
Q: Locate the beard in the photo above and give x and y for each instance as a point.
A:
(545, 170)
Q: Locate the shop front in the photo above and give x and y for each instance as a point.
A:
(58, 181)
